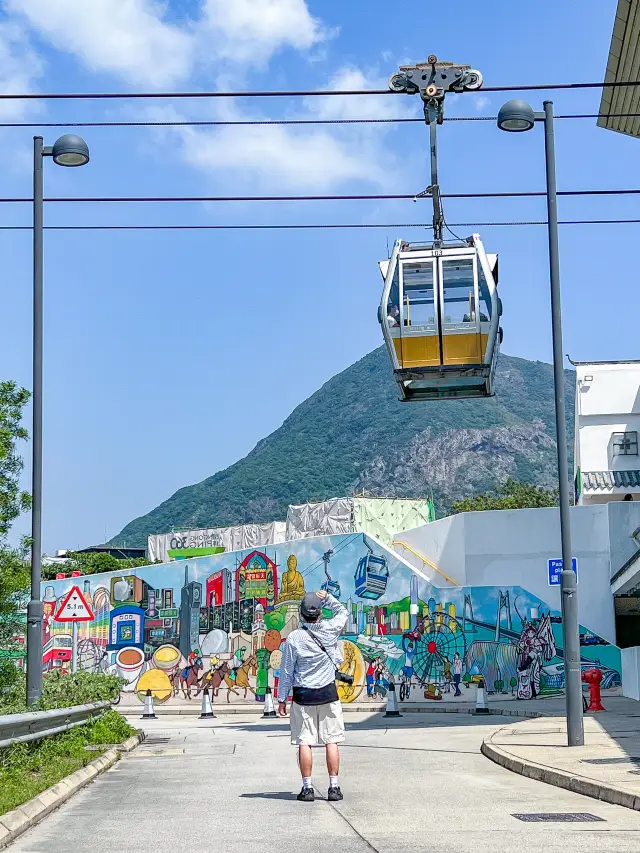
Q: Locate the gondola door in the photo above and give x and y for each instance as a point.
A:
(419, 314)
(458, 301)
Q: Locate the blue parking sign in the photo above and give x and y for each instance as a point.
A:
(555, 570)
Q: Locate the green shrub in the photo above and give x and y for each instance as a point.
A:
(61, 691)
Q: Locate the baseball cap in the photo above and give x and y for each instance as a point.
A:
(310, 606)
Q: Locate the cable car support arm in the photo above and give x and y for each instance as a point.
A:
(432, 80)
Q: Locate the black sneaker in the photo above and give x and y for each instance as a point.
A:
(334, 795)
(306, 795)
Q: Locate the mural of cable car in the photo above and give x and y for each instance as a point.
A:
(372, 575)
(331, 586)
(440, 318)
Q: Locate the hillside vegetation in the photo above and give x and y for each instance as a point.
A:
(354, 434)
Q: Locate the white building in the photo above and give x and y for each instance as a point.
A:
(607, 465)
(513, 548)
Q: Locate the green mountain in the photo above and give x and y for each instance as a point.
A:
(354, 434)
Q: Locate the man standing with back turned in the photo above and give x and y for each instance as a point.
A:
(309, 663)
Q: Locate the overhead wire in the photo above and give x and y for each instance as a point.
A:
(48, 96)
(267, 122)
(317, 226)
(292, 198)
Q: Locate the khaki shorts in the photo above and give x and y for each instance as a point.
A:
(316, 725)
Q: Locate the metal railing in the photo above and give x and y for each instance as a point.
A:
(426, 561)
(20, 728)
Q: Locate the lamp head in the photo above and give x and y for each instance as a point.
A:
(70, 150)
(516, 116)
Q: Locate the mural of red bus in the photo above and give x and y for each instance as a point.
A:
(57, 653)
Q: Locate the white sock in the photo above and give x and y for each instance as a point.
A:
(334, 781)
(306, 782)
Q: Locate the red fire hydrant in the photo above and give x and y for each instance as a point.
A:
(593, 677)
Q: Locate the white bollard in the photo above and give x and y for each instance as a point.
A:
(206, 712)
(392, 702)
(149, 711)
(269, 707)
(481, 699)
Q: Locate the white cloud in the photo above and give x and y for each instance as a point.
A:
(481, 103)
(126, 37)
(253, 30)
(281, 157)
(303, 157)
(360, 106)
(135, 40)
(20, 67)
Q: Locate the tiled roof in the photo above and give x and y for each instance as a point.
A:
(592, 481)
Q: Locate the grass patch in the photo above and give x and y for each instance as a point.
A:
(27, 769)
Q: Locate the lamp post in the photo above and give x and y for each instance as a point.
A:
(69, 150)
(518, 116)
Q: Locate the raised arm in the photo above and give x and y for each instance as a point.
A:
(338, 620)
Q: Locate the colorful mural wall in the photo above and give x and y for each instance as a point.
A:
(220, 622)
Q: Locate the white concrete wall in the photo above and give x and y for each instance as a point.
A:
(607, 401)
(512, 548)
(444, 546)
(631, 672)
(614, 388)
(596, 444)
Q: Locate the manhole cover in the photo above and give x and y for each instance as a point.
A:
(627, 760)
(141, 752)
(560, 817)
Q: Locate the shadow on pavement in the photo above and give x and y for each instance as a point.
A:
(348, 745)
(270, 795)
(380, 722)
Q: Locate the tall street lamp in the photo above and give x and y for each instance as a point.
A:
(69, 150)
(516, 117)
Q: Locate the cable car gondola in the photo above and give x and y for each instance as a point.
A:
(330, 586)
(372, 575)
(440, 316)
(440, 312)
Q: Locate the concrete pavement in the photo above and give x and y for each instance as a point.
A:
(607, 767)
(417, 783)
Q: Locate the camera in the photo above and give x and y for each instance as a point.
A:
(344, 678)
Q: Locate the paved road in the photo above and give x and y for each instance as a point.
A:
(417, 784)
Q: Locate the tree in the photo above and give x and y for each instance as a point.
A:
(13, 501)
(92, 564)
(511, 495)
(14, 570)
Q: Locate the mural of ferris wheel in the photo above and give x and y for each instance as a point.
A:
(434, 652)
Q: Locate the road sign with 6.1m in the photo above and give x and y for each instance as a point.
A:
(74, 608)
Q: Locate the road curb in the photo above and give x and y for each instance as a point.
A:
(559, 778)
(18, 820)
(222, 711)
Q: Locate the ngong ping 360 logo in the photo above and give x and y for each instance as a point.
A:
(196, 539)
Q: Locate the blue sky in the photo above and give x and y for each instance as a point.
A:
(153, 337)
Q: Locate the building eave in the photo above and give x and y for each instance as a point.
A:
(621, 68)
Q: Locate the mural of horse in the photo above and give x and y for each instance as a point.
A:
(215, 678)
(187, 678)
(241, 678)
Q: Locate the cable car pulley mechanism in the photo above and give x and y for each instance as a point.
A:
(432, 80)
